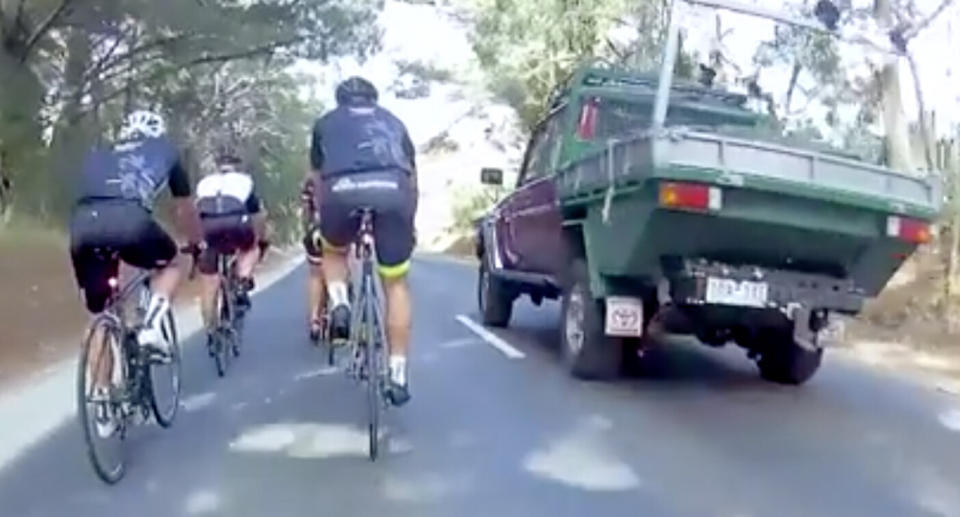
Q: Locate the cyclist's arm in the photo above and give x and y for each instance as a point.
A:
(185, 213)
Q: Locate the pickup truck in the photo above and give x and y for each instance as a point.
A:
(710, 225)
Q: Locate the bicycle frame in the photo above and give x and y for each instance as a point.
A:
(365, 252)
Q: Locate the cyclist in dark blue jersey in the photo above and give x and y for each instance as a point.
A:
(113, 220)
(361, 155)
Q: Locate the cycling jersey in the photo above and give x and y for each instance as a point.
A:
(229, 193)
(360, 138)
(112, 220)
(365, 158)
(225, 202)
(136, 170)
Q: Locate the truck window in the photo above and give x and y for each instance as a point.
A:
(531, 164)
(545, 148)
(604, 118)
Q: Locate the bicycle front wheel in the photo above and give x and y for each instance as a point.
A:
(99, 411)
(165, 377)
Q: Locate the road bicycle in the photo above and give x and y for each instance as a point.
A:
(367, 341)
(232, 304)
(224, 340)
(143, 381)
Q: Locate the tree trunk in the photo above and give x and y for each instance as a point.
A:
(897, 137)
(951, 167)
(70, 141)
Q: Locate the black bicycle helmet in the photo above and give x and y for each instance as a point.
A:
(227, 154)
(356, 90)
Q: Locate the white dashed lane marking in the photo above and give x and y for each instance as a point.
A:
(491, 339)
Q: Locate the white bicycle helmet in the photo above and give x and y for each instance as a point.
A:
(142, 124)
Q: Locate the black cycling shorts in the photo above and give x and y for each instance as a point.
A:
(224, 234)
(390, 195)
(104, 232)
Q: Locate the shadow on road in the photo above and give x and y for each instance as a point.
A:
(673, 362)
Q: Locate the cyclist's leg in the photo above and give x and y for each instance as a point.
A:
(93, 271)
(209, 277)
(149, 247)
(393, 232)
(243, 240)
(316, 286)
(337, 230)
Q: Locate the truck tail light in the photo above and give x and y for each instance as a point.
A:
(691, 196)
(910, 230)
(587, 126)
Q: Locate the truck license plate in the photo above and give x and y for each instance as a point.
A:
(624, 317)
(744, 293)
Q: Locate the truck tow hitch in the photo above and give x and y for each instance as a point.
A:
(803, 317)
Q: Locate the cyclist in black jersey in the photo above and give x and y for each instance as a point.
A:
(361, 155)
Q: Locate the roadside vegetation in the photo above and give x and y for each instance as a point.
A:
(216, 69)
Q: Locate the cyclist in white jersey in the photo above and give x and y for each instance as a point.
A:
(233, 221)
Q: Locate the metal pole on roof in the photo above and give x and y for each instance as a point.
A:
(756, 10)
(666, 67)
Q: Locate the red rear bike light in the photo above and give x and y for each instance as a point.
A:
(691, 196)
(911, 230)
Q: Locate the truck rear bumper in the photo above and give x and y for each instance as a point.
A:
(691, 283)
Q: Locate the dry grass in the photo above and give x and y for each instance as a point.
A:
(911, 311)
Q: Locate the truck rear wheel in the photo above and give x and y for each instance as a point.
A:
(493, 298)
(587, 351)
(789, 363)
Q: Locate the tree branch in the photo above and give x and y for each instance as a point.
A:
(794, 75)
(219, 58)
(922, 115)
(43, 28)
(916, 29)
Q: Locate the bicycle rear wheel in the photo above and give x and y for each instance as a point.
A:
(165, 377)
(221, 338)
(374, 371)
(105, 453)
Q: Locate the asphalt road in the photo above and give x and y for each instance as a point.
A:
(504, 432)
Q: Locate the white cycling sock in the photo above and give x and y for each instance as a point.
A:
(398, 369)
(338, 294)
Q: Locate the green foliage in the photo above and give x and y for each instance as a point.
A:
(471, 204)
(528, 47)
(423, 71)
(215, 67)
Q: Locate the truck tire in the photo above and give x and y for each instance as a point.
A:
(587, 351)
(493, 298)
(789, 363)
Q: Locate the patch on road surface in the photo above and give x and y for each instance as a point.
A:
(202, 502)
(580, 460)
(317, 372)
(950, 419)
(423, 488)
(198, 401)
(308, 441)
(460, 343)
